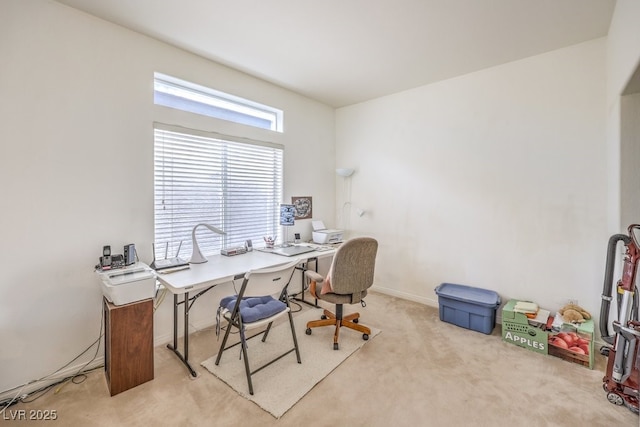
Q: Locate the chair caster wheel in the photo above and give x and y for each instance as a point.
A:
(335, 346)
(365, 337)
(308, 331)
(355, 320)
(323, 317)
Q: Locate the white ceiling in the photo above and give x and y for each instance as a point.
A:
(342, 52)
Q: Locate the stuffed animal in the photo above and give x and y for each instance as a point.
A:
(574, 313)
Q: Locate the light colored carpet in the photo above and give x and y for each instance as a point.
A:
(419, 371)
(281, 385)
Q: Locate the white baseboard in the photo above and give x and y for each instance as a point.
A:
(597, 343)
(35, 385)
(431, 302)
(160, 340)
(404, 295)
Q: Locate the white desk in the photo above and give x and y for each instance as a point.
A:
(220, 269)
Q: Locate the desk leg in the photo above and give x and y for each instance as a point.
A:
(175, 321)
(303, 269)
(174, 347)
(186, 332)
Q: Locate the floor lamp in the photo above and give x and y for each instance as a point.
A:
(346, 173)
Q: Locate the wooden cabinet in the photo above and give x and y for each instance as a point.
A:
(128, 349)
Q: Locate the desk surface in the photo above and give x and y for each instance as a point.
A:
(221, 269)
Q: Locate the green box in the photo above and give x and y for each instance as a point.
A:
(517, 330)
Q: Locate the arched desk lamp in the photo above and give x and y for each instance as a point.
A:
(196, 255)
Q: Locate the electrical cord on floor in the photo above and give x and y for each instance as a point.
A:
(37, 394)
(292, 301)
(81, 373)
(293, 298)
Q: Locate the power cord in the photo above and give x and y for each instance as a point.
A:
(20, 397)
(292, 301)
(160, 295)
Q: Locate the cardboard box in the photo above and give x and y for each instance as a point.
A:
(584, 334)
(468, 307)
(516, 329)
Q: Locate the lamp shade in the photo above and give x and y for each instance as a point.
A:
(345, 172)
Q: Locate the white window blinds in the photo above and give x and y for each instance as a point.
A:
(232, 184)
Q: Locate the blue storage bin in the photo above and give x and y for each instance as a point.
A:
(468, 307)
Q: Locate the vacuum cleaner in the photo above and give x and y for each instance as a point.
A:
(621, 348)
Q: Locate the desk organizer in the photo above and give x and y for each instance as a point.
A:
(517, 330)
(468, 307)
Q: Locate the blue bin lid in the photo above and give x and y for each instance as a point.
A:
(469, 294)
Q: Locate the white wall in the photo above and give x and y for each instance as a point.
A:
(76, 163)
(623, 58)
(496, 179)
(630, 159)
(499, 179)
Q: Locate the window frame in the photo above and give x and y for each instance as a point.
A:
(179, 242)
(182, 95)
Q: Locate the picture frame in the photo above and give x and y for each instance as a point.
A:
(303, 206)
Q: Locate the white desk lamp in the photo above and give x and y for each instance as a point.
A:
(196, 255)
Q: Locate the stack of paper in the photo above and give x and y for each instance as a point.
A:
(541, 318)
(526, 307)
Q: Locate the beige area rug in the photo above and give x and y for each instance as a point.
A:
(282, 384)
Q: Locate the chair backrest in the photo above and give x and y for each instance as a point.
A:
(267, 281)
(353, 266)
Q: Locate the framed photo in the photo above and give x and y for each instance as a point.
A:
(303, 207)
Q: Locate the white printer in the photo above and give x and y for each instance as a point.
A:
(125, 285)
(323, 236)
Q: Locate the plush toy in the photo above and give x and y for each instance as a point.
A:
(574, 313)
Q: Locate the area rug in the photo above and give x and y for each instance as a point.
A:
(282, 384)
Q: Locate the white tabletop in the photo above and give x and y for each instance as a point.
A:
(222, 269)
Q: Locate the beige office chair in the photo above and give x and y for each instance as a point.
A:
(350, 275)
(255, 307)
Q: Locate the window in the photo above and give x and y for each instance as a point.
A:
(232, 184)
(182, 95)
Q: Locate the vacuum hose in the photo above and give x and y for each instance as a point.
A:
(607, 289)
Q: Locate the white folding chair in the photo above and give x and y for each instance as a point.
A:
(262, 299)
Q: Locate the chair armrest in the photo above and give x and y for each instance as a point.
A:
(314, 278)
